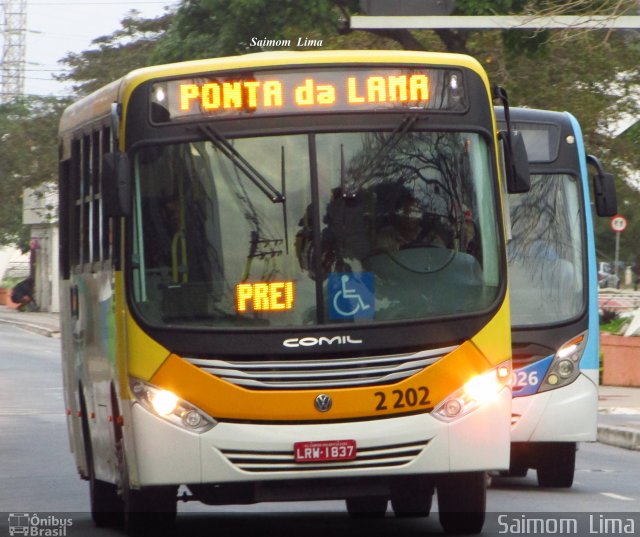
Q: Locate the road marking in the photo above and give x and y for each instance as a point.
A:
(617, 496)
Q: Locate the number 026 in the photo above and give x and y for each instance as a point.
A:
(522, 378)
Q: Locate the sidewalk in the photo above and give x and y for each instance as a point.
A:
(618, 407)
(44, 323)
(619, 416)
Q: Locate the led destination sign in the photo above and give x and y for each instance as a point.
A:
(290, 92)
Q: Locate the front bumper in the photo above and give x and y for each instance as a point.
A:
(568, 414)
(244, 452)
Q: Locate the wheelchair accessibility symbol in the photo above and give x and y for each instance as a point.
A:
(351, 295)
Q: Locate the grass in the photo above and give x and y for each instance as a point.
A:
(613, 326)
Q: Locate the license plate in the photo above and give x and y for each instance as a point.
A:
(324, 451)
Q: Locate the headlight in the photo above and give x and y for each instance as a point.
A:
(172, 408)
(565, 366)
(477, 391)
(163, 402)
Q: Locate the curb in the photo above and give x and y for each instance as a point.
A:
(624, 437)
(48, 332)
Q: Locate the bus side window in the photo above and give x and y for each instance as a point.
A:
(64, 208)
(75, 205)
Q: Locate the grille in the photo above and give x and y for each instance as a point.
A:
(283, 461)
(321, 373)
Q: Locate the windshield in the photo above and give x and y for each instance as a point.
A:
(545, 254)
(361, 227)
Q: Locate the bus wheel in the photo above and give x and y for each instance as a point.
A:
(367, 506)
(557, 465)
(462, 501)
(517, 468)
(412, 498)
(106, 506)
(150, 510)
(517, 471)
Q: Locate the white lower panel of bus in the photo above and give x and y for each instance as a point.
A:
(237, 452)
(568, 414)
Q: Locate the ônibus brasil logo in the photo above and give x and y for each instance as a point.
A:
(38, 525)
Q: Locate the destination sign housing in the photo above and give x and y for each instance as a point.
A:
(300, 91)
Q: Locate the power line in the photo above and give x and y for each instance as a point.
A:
(96, 3)
(38, 78)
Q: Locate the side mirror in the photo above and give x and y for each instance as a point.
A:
(604, 190)
(116, 185)
(516, 162)
(606, 200)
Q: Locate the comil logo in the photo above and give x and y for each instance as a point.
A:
(319, 341)
(38, 526)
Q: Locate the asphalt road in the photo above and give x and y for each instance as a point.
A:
(38, 477)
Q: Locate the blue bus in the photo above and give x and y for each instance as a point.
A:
(553, 292)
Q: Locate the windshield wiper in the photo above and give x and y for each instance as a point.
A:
(365, 173)
(223, 145)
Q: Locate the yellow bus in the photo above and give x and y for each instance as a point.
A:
(283, 278)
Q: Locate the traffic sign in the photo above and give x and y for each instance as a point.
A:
(618, 223)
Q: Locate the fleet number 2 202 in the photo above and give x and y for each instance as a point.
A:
(408, 398)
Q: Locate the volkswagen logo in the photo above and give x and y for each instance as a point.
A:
(323, 402)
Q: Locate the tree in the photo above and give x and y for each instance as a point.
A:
(213, 28)
(28, 131)
(114, 55)
(589, 73)
(28, 126)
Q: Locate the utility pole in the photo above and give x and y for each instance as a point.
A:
(14, 27)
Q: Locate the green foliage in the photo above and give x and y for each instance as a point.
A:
(114, 55)
(529, 43)
(564, 70)
(612, 324)
(10, 282)
(213, 28)
(592, 75)
(633, 134)
(485, 7)
(28, 131)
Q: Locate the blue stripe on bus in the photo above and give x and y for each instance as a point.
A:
(590, 358)
(527, 379)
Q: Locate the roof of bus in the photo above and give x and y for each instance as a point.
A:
(98, 104)
(533, 115)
